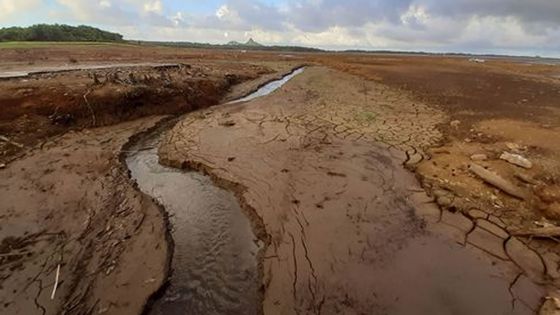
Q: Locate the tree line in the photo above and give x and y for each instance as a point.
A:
(57, 32)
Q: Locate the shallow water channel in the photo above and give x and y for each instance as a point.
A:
(214, 265)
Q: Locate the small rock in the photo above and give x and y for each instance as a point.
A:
(479, 157)
(514, 147)
(475, 214)
(455, 123)
(468, 140)
(444, 201)
(2, 166)
(227, 123)
(516, 159)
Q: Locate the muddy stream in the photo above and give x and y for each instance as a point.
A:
(214, 264)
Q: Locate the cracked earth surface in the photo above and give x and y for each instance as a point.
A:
(318, 166)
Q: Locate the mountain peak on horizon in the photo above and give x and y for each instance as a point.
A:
(251, 42)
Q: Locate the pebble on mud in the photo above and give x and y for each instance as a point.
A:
(455, 123)
(444, 201)
(479, 157)
(227, 123)
(516, 159)
(444, 198)
(515, 147)
(2, 166)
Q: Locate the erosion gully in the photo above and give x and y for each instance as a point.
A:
(214, 264)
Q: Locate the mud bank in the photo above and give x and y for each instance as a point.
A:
(215, 268)
(319, 164)
(69, 208)
(69, 68)
(49, 104)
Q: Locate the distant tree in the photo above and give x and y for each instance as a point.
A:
(58, 32)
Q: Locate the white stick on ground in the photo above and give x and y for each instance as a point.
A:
(55, 282)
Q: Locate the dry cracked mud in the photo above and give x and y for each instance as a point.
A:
(318, 166)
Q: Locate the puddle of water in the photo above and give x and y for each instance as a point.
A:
(269, 88)
(214, 266)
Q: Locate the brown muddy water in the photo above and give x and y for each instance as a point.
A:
(214, 264)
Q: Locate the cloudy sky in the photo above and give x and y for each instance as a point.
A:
(530, 27)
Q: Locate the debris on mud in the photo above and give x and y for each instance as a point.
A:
(516, 159)
(496, 180)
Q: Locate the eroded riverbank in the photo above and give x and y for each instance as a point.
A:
(215, 269)
(69, 209)
(70, 214)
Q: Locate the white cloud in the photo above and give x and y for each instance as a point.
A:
(458, 25)
(105, 3)
(177, 18)
(153, 6)
(222, 12)
(10, 9)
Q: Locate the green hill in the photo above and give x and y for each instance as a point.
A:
(58, 33)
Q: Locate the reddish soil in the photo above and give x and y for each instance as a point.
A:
(44, 105)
